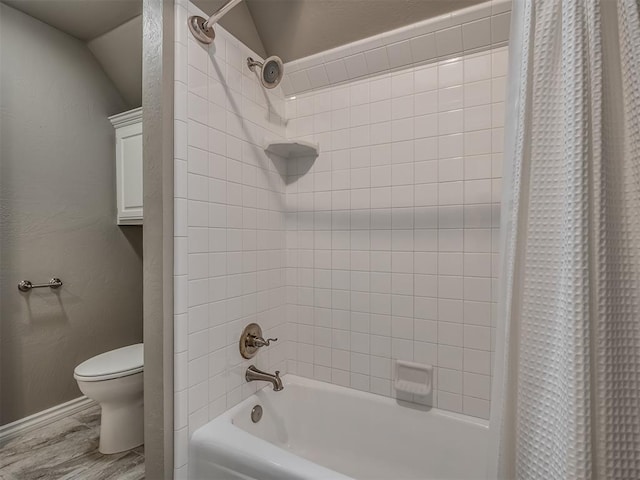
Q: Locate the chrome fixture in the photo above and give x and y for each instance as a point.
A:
(271, 70)
(202, 28)
(26, 285)
(256, 414)
(254, 374)
(251, 340)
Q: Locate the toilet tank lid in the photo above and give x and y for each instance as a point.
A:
(121, 360)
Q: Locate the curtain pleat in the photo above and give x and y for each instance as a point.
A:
(566, 395)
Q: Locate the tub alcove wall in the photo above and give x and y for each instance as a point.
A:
(392, 234)
(383, 248)
(229, 227)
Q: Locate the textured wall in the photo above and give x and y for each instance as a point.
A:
(57, 205)
(157, 118)
(229, 227)
(119, 52)
(391, 232)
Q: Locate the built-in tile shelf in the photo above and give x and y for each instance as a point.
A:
(293, 149)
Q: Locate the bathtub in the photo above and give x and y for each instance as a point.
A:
(315, 430)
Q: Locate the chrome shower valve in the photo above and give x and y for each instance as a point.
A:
(251, 340)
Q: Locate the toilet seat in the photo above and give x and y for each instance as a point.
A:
(117, 363)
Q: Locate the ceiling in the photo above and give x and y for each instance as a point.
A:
(292, 29)
(112, 30)
(119, 51)
(83, 19)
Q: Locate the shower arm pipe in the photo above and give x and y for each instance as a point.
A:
(221, 12)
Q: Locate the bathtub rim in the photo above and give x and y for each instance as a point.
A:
(229, 440)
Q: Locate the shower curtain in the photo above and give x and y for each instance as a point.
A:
(566, 393)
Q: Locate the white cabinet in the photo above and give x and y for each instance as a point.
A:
(128, 127)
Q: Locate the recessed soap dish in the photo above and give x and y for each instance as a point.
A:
(414, 378)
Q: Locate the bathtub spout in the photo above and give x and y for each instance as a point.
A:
(254, 374)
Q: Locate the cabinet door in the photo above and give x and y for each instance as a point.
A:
(129, 174)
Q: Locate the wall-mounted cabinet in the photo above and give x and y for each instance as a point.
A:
(128, 126)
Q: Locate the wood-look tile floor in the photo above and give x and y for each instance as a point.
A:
(68, 449)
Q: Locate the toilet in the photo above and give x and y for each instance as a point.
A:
(114, 380)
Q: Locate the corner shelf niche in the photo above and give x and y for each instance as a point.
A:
(291, 149)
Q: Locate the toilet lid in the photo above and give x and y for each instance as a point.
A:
(116, 363)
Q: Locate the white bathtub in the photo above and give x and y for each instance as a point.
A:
(314, 430)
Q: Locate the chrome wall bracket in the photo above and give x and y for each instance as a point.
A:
(26, 285)
(202, 28)
(199, 29)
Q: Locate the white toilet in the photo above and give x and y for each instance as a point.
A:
(114, 380)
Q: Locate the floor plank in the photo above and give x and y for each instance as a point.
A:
(68, 450)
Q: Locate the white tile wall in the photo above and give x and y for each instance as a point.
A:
(382, 248)
(229, 227)
(391, 233)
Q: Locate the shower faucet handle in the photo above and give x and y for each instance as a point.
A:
(251, 340)
(258, 342)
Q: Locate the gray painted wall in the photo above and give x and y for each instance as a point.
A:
(157, 118)
(119, 52)
(82, 19)
(57, 217)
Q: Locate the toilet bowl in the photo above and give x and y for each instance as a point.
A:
(114, 380)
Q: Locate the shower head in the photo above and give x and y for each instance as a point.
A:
(271, 71)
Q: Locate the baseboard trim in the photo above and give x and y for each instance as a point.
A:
(45, 417)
